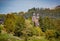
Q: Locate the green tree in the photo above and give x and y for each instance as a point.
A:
(10, 22)
(19, 25)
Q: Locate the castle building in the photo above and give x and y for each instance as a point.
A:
(35, 19)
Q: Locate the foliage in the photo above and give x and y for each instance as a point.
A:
(21, 25)
(50, 34)
(4, 37)
(10, 23)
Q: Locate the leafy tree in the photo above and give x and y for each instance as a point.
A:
(10, 22)
(19, 25)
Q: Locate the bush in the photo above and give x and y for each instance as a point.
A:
(4, 37)
(50, 34)
(37, 39)
(1, 27)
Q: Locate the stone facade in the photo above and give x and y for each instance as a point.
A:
(35, 19)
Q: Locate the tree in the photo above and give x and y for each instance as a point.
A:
(19, 25)
(10, 22)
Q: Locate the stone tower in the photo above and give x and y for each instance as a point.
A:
(35, 19)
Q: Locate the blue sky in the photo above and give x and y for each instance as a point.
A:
(7, 6)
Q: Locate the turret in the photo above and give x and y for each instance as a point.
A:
(35, 19)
